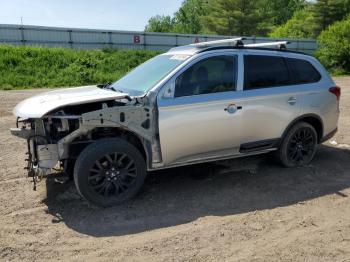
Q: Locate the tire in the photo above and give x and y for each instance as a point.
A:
(298, 147)
(69, 168)
(109, 172)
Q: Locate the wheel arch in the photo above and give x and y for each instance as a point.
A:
(311, 119)
(141, 144)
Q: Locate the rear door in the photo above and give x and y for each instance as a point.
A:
(271, 100)
(316, 83)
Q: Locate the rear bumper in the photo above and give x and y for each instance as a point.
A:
(329, 136)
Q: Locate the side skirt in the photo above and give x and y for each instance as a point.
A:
(213, 159)
(259, 145)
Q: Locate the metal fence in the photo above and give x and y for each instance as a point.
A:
(97, 39)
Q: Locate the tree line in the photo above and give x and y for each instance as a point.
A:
(326, 20)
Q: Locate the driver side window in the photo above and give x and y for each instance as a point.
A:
(210, 75)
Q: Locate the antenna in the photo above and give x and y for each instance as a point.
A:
(234, 41)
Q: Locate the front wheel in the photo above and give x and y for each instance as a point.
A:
(109, 172)
(299, 145)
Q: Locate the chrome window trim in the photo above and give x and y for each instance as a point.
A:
(166, 100)
(158, 89)
(161, 83)
(312, 60)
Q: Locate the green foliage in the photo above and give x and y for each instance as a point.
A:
(276, 18)
(334, 51)
(278, 12)
(189, 17)
(233, 17)
(26, 67)
(161, 24)
(301, 25)
(313, 19)
(186, 20)
(326, 12)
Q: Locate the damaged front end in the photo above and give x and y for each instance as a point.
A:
(43, 136)
(56, 139)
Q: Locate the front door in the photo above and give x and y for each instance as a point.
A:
(202, 119)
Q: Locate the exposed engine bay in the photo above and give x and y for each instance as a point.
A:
(56, 139)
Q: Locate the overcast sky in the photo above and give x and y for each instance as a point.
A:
(105, 14)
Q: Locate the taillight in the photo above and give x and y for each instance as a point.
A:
(336, 91)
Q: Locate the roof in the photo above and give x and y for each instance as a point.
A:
(186, 49)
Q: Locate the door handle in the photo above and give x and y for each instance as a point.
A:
(232, 108)
(292, 101)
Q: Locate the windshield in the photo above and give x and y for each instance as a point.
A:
(148, 74)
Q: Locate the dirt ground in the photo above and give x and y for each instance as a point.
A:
(239, 210)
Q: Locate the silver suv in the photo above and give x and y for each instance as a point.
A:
(193, 104)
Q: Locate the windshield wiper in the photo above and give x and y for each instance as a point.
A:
(105, 86)
(121, 91)
(117, 90)
(110, 87)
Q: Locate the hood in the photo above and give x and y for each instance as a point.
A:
(39, 105)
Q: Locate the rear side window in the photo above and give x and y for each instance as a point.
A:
(265, 71)
(302, 72)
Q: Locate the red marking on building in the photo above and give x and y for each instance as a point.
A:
(137, 39)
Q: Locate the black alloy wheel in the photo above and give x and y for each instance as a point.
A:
(299, 145)
(112, 174)
(109, 172)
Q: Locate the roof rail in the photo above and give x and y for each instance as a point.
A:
(233, 41)
(238, 42)
(279, 44)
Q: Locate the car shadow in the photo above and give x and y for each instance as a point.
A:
(182, 195)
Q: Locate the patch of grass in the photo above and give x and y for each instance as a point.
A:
(35, 67)
(339, 72)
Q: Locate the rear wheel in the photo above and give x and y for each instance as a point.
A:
(109, 171)
(299, 145)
